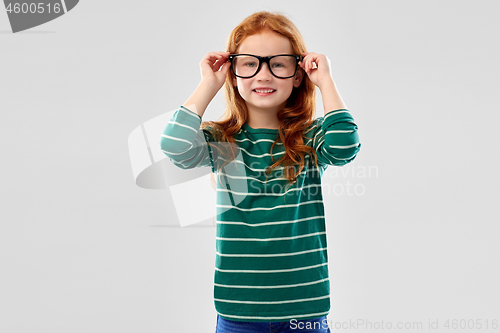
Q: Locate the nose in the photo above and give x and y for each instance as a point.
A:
(264, 72)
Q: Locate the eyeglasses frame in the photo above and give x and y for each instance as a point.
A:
(264, 60)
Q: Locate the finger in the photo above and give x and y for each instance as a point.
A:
(214, 60)
(209, 60)
(218, 64)
(303, 63)
(313, 62)
(309, 59)
(214, 56)
(223, 57)
(309, 63)
(225, 68)
(307, 66)
(222, 53)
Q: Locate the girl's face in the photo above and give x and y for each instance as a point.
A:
(266, 43)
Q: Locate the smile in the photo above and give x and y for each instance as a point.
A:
(264, 91)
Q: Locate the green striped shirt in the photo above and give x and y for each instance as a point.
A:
(271, 245)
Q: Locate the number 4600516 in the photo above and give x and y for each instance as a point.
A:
(33, 8)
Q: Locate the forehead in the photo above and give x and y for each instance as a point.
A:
(266, 43)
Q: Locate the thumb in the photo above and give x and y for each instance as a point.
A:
(225, 67)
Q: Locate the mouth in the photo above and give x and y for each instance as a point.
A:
(264, 91)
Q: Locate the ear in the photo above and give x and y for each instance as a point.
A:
(234, 81)
(297, 79)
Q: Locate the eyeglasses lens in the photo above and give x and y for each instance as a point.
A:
(281, 66)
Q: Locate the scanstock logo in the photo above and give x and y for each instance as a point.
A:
(25, 14)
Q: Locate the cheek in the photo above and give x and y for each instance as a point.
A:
(286, 89)
(243, 87)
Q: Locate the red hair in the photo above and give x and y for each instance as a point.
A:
(294, 118)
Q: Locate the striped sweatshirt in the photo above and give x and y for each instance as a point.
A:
(271, 244)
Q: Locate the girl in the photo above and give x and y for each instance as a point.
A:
(271, 269)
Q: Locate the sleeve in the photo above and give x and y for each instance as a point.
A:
(185, 143)
(336, 138)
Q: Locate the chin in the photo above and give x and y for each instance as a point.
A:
(269, 105)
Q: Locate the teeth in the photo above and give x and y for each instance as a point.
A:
(264, 91)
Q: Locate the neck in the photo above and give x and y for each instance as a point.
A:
(263, 118)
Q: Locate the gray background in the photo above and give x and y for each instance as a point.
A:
(84, 249)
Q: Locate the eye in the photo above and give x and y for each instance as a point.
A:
(278, 65)
(250, 64)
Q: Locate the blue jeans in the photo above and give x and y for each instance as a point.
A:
(316, 325)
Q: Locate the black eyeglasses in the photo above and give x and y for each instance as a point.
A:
(282, 66)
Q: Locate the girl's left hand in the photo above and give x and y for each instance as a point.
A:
(317, 67)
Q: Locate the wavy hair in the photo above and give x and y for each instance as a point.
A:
(294, 118)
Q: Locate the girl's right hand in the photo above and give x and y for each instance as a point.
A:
(214, 69)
